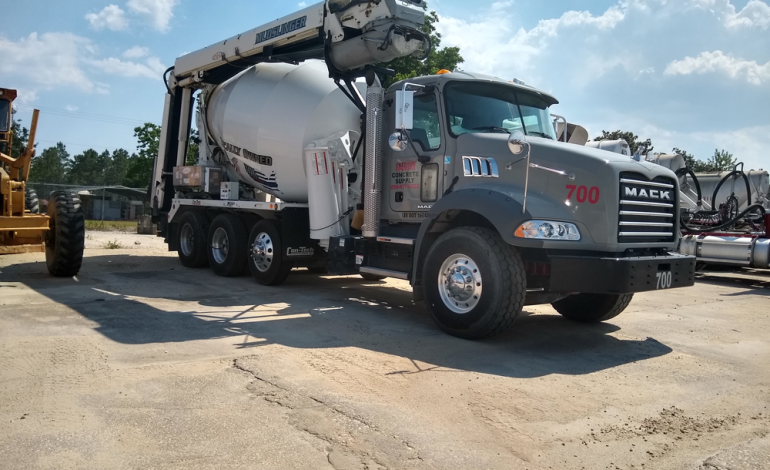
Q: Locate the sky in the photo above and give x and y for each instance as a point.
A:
(691, 74)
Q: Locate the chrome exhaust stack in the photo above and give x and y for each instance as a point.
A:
(375, 95)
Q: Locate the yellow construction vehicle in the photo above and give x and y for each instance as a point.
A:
(61, 232)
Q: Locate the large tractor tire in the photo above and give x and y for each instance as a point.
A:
(592, 308)
(193, 233)
(227, 245)
(474, 283)
(264, 254)
(31, 201)
(66, 237)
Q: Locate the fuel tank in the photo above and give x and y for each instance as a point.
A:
(264, 118)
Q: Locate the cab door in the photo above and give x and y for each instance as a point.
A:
(413, 187)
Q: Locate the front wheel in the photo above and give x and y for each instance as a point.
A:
(592, 308)
(474, 283)
(264, 253)
(66, 236)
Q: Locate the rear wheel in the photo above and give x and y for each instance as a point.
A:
(264, 253)
(193, 229)
(592, 308)
(474, 283)
(31, 201)
(65, 239)
(227, 245)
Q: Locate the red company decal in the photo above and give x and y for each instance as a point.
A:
(406, 166)
(583, 194)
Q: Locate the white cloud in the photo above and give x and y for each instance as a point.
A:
(717, 61)
(755, 13)
(302, 4)
(49, 60)
(152, 68)
(26, 97)
(111, 17)
(494, 46)
(71, 108)
(64, 60)
(158, 12)
(136, 52)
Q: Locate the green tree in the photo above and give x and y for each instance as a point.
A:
(139, 171)
(50, 166)
(115, 172)
(632, 139)
(722, 160)
(444, 58)
(192, 148)
(87, 168)
(20, 139)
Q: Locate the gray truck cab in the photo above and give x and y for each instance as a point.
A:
(587, 227)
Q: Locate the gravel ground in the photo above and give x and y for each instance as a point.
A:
(141, 363)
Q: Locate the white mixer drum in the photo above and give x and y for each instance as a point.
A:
(264, 118)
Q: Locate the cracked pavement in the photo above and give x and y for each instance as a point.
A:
(141, 363)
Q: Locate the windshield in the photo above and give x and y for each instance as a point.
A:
(5, 115)
(488, 107)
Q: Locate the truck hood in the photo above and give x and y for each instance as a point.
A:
(587, 192)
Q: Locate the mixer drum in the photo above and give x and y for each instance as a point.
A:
(264, 118)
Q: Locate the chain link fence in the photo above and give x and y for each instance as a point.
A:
(100, 203)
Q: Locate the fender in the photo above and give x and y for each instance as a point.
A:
(499, 209)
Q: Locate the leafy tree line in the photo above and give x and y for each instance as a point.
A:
(721, 160)
(55, 165)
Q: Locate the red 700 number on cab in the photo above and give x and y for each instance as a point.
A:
(583, 193)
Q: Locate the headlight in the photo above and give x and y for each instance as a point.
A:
(548, 230)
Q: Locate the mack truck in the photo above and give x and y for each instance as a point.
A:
(454, 182)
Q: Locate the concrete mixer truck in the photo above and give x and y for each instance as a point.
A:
(454, 182)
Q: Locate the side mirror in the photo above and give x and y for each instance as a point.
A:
(516, 142)
(404, 109)
(397, 141)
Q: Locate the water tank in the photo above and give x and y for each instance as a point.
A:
(264, 118)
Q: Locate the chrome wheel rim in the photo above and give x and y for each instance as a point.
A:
(262, 251)
(459, 283)
(220, 245)
(187, 239)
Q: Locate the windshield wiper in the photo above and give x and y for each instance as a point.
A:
(492, 128)
(539, 134)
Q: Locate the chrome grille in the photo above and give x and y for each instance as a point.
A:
(647, 209)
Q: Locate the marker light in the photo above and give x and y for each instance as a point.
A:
(442, 72)
(548, 230)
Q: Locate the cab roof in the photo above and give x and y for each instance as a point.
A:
(440, 80)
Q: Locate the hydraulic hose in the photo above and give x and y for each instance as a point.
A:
(745, 180)
(726, 224)
(165, 80)
(687, 171)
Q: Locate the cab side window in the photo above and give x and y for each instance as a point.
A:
(426, 131)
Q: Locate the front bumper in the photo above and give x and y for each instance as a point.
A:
(592, 275)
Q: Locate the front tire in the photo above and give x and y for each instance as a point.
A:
(592, 308)
(193, 230)
(474, 283)
(227, 245)
(31, 201)
(264, 258)
(66, 237)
